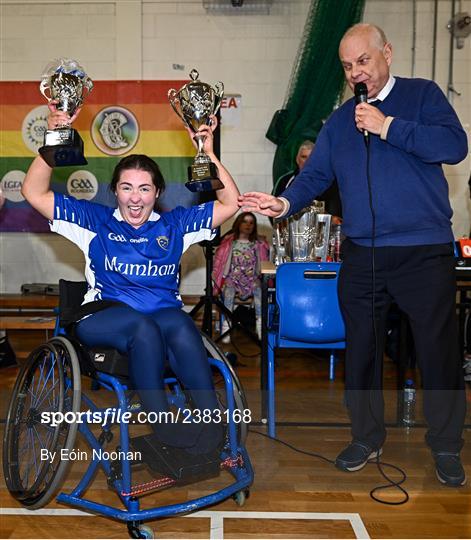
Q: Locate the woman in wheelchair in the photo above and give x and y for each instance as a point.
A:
(237, 266)
(132, 258)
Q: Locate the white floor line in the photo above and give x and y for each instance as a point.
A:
(42, 512)
(217, 517)
(358, 526)
(217, 526)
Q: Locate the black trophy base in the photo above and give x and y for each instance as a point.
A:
(63, 148)
(203, 177)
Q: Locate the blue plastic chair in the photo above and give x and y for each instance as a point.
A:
(307, 316)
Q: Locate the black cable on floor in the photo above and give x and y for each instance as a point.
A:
(243, 354)
(380, 464)
(291, 447)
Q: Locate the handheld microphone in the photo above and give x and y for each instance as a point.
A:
(361, 96)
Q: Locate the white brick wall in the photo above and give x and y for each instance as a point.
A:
(252, 54)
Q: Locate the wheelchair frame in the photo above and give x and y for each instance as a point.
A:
(62, 367)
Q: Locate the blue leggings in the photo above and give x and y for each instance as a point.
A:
(148, 340)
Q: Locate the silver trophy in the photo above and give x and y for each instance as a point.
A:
(65, 82)
(296, 238)
(194, 103)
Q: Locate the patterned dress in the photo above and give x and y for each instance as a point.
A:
(242, 274)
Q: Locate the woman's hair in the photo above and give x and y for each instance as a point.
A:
(138, 162)
(237, 223)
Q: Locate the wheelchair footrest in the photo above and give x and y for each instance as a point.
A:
(174, 462)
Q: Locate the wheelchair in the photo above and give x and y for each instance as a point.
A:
(50, 382)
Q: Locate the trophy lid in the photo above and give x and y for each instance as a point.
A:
(67, 66)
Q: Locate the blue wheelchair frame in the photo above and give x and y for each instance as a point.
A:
(243, 476)
(234, 457)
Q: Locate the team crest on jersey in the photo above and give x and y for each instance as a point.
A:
(115, 130)
(162, 242)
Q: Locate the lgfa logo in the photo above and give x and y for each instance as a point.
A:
(11, 186)
(82, 185)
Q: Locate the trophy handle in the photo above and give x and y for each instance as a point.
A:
(219, 87)
(88, 84)
(173, 99)
(43, 87)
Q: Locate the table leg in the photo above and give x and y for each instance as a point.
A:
(264, 349)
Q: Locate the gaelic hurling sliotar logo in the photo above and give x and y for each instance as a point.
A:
(34, 126)
(115, 130)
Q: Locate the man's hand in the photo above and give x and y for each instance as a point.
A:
(369, 117)
(261, 203)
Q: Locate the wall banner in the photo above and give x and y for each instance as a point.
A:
(117, 119)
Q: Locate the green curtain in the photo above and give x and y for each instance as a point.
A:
(317, 80)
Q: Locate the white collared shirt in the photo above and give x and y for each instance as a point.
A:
(383, 94)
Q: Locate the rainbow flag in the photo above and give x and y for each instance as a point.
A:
(118, 118)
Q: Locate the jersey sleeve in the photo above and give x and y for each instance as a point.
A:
(195, 223)
(74, 219)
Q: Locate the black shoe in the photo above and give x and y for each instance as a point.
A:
(449, 469)
(356, 456)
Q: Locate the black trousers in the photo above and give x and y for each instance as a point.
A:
(421, 280)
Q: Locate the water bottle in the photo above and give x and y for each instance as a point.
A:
(408, 415)
(337, 242)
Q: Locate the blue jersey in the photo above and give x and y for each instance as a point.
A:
(138, 267)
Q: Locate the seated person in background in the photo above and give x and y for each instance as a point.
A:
(132, 258)
(237, 266)
(330, 197)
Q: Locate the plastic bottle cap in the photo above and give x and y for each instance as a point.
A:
(410, 382)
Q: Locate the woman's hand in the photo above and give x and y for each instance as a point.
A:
(58, 119)
(207, 135)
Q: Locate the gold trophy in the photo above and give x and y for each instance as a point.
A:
(194, 103)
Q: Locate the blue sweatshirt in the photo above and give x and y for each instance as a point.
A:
(409, 189)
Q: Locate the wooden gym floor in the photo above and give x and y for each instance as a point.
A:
(293, 495)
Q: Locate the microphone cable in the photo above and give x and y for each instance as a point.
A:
(360, 96)
(381, 464)
(377, 363)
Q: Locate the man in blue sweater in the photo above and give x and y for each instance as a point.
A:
(397, 221)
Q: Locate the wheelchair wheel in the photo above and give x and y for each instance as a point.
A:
(239, 395)
(49, 382)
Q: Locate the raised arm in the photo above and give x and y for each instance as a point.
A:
(226, 205)
(36, 186)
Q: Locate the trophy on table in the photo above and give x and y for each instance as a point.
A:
(194, 103)
(65, 82)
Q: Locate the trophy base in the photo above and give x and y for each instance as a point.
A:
(203, 177)
(63, 148)
(204, 185)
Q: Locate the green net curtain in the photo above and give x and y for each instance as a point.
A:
(317, 80)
